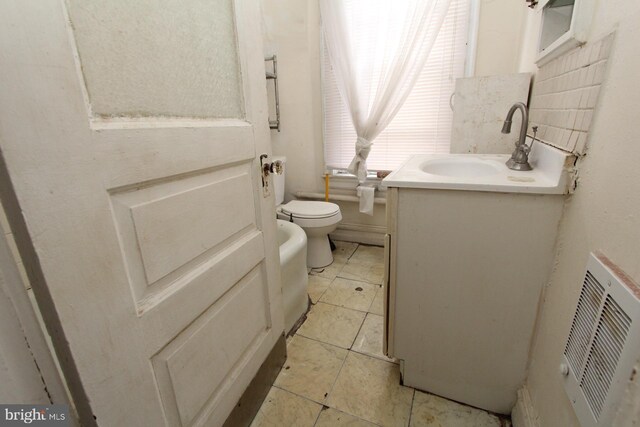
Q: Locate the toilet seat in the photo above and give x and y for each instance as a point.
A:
(310, 213)
(309, 209)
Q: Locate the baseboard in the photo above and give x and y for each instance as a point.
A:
(360, 233)
(252, 398)
(524, 414)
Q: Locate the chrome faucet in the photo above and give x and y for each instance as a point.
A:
(519, 160)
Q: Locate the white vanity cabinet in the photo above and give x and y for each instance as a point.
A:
(466, 272)
(467, 262)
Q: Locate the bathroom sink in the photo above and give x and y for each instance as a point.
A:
(486, 172)
(460, 167)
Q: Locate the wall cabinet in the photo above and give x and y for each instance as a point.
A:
(564, 24)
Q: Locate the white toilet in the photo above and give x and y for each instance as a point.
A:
(317, 219)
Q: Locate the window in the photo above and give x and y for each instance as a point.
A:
(423, 124)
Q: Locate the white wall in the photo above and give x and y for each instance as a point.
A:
(499, 36)
(604, 212)
(292, 31)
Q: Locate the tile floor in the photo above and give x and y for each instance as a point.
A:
(336, 374)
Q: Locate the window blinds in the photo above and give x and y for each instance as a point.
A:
(423, 124)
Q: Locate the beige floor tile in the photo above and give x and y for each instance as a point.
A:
(311, 368)
(317, 286)
(366, 263)
(350, 294)
(377, 306)
(282, 409)
(367, 271)
(370, 389)
(376, 273)
(330, 272)
(430, 411)
(344, 250)
(332, 325)
(330, 417)
(369, 339)
(369, 254)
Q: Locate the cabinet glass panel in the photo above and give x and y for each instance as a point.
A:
(556, 20)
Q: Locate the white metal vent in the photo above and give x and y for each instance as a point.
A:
(583, 321)
(603, 343)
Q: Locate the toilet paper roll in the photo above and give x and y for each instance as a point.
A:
(366, 195)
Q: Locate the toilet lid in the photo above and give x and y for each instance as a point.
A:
(310, 209)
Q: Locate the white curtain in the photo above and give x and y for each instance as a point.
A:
(400, 33)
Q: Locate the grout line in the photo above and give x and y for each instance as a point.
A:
(413, 399)
(326, 399)
(376, 357)
(323, 292)
(381, 360)
(322, 342)
(354, 251)
(357, 280)
(322, 409)
(365, 311)
(347, 308)
(382, 357)
(299, 395)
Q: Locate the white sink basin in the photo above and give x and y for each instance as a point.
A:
(486, 172)
(461, 167)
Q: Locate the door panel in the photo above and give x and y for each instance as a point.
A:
(154, 238)
(192, 368)
(142, 151)
(169, 316)
(151, 219)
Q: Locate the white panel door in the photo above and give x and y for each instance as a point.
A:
(131, 133)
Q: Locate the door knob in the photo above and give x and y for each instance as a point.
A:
(276, 167)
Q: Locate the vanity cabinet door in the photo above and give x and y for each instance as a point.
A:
(389, 282)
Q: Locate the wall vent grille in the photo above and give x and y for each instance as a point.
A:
(603, 342)
(586, 315)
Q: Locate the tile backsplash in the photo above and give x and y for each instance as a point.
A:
(565, 94)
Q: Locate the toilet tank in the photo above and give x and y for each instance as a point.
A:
(278, 180)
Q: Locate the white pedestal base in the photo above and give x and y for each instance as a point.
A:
(318, 251)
